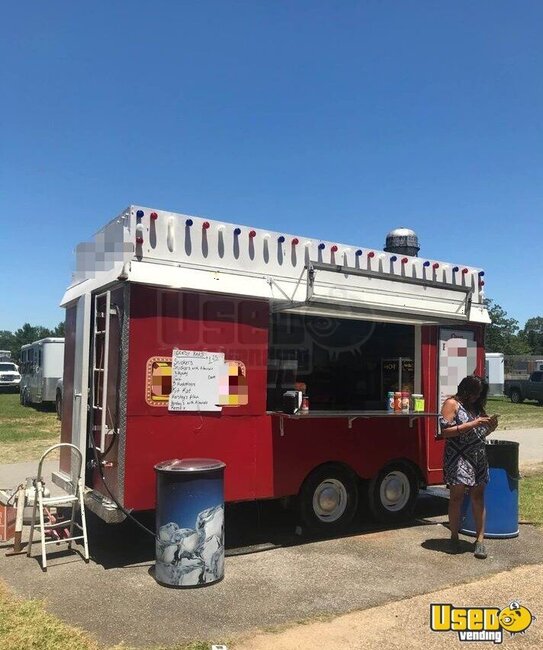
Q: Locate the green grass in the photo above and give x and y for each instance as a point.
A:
(26, 624)
(531, 499)
(527, 415)
(18, 423)
(25, 431)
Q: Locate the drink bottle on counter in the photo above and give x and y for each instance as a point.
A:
(418, 403)
(390, 401)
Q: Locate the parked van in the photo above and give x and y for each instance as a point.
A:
(42, 365)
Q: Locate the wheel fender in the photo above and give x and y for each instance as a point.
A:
(331, 464)
(409, 465)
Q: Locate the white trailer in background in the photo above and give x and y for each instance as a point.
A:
(42, 365)
(494, 371)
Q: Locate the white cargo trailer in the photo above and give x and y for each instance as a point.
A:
(494, 370)
(42, 365)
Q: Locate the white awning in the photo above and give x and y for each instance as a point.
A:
(362, 294)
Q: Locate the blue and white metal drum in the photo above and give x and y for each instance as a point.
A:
(501, 494)
(190, 522)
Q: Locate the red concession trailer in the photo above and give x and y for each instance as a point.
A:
(182, 335)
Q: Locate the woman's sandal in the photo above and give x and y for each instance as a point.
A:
(480, 551)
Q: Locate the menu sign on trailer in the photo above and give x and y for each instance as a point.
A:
(195, 380)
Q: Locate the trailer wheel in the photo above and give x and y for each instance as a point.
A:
(516, 397)
(392, 494)
(328, 498)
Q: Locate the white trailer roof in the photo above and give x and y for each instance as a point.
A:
(178, 251)
(49, 339)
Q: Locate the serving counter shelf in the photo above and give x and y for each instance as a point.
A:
(350, 416)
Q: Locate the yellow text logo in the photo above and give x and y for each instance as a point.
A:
(480, 623)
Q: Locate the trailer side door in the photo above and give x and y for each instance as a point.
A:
(76, 378)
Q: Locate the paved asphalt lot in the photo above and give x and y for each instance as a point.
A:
(116, 598)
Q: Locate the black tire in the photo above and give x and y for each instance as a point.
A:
(392, 494)
(58, 405)
(328, 498)
(516, 397)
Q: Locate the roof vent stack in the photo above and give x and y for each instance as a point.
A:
(402, 241)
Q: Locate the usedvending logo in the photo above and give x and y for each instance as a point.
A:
(480, 623)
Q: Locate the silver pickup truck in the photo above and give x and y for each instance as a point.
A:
(520, 389)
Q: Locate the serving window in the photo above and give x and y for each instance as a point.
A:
(346, 364)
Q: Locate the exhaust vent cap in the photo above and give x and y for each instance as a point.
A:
(402, 241)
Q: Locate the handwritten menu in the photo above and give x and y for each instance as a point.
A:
(195, 380)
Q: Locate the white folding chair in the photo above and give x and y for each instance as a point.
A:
(73, 496)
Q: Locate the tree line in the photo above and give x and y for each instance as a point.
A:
(503, 335)
(28, 333)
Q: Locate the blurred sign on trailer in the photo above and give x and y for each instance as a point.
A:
(457, 359)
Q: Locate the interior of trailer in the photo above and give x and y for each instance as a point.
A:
(346, 364)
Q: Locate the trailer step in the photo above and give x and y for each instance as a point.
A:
(103, 507)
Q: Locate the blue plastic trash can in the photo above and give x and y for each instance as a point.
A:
(189, 522)
(501, 493)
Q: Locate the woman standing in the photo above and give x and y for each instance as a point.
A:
(464, 424)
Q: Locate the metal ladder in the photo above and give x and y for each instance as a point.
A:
(100, 364)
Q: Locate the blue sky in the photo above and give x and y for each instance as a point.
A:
(339, 120)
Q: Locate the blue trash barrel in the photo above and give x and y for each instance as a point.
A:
(189, 522)
(501, 493)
